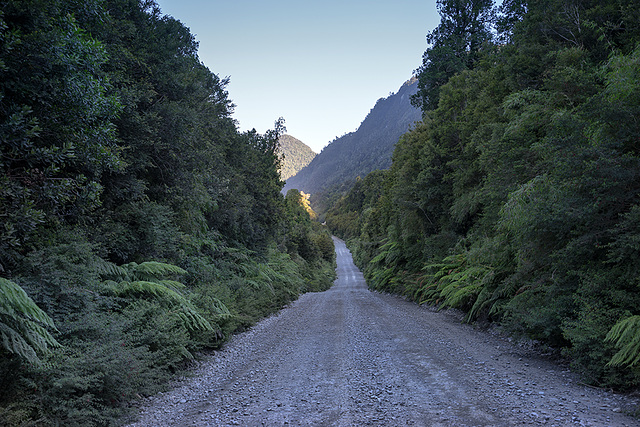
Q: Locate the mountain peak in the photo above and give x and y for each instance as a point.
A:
(296, 155)
(367, 149)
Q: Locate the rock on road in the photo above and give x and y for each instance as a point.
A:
(351, 357)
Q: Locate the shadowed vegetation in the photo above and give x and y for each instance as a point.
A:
(138, 226)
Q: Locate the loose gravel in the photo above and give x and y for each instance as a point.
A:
(351, 357)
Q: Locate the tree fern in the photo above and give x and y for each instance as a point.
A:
(382, 278)
(493, 297)
(483, 301)
(437, 278)
(147, 278)
(218, 307)
(172, 284)
(108, 269)
(453, 282)
(463, 286)
(141, 287)
(23, 325)
(186, 311)
(151, 270)
(459, 294)
(626, 336)
(272, 276)
(388, 254)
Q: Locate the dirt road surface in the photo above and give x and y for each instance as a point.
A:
(351, 357)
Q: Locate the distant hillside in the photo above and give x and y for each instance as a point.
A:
(297, 155)
(367, 149)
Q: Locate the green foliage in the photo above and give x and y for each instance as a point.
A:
(147, 279)
(454, 46)
(141, 346)
(344, 218)
(626, 336)
(23, 325)
(51, 162)
(308, 243)
(516, 199)
(133, 211)
(452, 283)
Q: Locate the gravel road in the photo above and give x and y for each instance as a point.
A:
(351, 357)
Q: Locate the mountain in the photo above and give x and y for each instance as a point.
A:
(296, 154)
(367, 149)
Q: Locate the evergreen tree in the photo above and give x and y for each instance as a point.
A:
(455, 45)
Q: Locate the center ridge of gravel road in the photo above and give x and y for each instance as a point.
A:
(352, 357)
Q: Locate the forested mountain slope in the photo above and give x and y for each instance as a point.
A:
(295, 155)
(137, 224)
(367, 149)
(517, 199)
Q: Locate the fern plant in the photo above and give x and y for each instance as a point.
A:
(453, 282)
(23, 325)
(384, 265)
(626, 336)
(149, 278)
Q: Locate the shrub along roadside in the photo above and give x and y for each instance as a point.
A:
(124, 331)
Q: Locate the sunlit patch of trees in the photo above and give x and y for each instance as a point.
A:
(295, 155)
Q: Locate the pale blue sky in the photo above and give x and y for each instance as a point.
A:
(321, 65)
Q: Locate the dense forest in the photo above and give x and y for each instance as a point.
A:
(369, 148)
(138, 226)
(295, 155)
(517, 198)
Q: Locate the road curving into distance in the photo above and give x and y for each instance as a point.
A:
(352, 357)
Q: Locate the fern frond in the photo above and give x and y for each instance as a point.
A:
(220, 309)
(266, 273)
(260, 285)
(194, 321)
(453, 282)
(151, 270)
(14, 342)
(483, 300)
(142, 287)
(626, 336)
(387, 255)
(427, 293)
(461, 296)
(23, 324)
(172, 284)
(188, 313)
(378, 258)
(382, 278)
(15, 302)
(110, 270)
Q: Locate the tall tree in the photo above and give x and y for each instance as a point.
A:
(455, 45)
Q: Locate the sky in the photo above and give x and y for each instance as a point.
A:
(319, 64)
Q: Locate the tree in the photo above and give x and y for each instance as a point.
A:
(149, 279)
(455, 45)
(56, 117)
